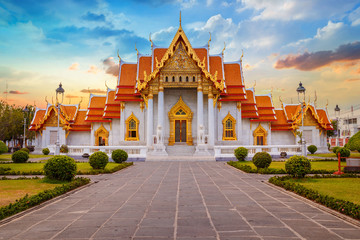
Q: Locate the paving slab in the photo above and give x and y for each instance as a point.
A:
(179, 200)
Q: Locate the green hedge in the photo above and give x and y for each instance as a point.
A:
(249, 169)
(28, 202)
(342, 206)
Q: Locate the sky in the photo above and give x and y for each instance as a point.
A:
(75, 42)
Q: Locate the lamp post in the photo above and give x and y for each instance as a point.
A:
(337, 114)
(301, 91)
(59, 92)
(25, 110)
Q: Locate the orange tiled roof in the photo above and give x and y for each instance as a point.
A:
(96, 109)
(249, 108)
(112, 107)
(69, 111)
(202, 54)
(325, 122)
(159, 53)
(127, 82)
(281, 123)
(291, 110)
(80, 124)
(144, 65)
(235, 89)
(265, 108)
(37, 119)
(216, 65)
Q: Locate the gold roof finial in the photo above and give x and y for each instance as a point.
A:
(46, 100)
(118, 56)
(89, 90)
(80, 102)
(152, 44)
(282, 105)
(137, 51)
(327, 103)
(315, 99)
(254, 84)
(52, 100)
(106, 85)
(222, 52)
(242, 54)
(180, 19)
(209, 40)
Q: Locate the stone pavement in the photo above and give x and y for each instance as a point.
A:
(179, 200)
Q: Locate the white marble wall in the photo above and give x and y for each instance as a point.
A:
(282, 138)
(78, 138)
(133, 107)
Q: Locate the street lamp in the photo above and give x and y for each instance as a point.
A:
(337, 114)
(301, 91)
(59, 92)
(25, 111)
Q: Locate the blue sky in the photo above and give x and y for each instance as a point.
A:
(43, 43)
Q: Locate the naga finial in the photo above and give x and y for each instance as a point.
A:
(106, 85)
(242, 54)
(46, 100)
(222, 52)
(209, 40)
(137, 51)
(254, 84)
(80, 102)
(280, 100)
(152, 44)
(315, 99)
(118, 56)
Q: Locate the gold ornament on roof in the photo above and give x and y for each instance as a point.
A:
(209, 40)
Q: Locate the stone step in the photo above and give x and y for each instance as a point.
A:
(180, 159)
(180, 150)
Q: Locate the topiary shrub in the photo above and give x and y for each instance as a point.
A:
(98, 160)
(61, 168)
(119, 156)
(3, 147)
(344, 152)
(46, 151)
(25, 150)
(312, 149)
(241, 153)
(354, 142)
(262, 160)
(64, 149)
(335, 149)
(20, 156)
(298, 166)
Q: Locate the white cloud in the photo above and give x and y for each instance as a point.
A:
(329, 30)
(163, 34)
(354, 17)
(187, 3)
(209, 2)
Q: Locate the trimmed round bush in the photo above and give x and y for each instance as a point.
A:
(344, 152)
(241, 153)
(298, 166)
(354, 142)
(119, 156)
(98, 160)
(25, 150)
(335, 149)
(46, 151)
(312, 149)
(64, 149)
(3, 147)
(262, 160)
(20, 156)
(61, 168)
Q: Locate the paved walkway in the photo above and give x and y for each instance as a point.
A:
(179, 200)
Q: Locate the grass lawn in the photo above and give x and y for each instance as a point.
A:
(322, 165)
(27, 167)
(342, 188)
(332, 155)
(10, 190)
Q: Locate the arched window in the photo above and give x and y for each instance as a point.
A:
(166, 79)
(173, 78)
(180, 79)
(187, 78)
(132, 128)
(193, 78)
(260, 135)
(229, 123)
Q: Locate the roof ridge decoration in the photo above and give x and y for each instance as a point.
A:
(180, 35)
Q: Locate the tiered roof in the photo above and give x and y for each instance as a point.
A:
(95, 110)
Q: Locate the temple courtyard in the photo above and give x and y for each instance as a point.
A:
(178, 200)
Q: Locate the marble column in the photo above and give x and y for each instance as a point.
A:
(200, 107)
(239, 123)
(150, 119)
(211, 116)
(122, 122)
(161, 103)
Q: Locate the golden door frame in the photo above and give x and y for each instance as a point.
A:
(260, 132)
(187, 116)
(101, 132)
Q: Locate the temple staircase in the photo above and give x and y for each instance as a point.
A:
(180, 152)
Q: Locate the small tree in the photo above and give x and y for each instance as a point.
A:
(61, 168)
(241, 153)
(312, 149)
(3, 147)
(298, 166)
(98, 160)
(119, 156)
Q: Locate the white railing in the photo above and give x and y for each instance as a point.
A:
(274, 150)
(132, 151)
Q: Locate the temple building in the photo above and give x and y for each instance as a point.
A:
(180, 100)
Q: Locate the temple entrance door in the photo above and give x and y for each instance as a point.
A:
(180, 130)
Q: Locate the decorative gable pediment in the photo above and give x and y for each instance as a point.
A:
(180, 61)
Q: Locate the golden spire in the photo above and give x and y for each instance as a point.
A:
(152, 44)
(80, 102)
(242, 54)
(282, 105)
(222, 52)
(137, 51)
(46, 100)
(106, 85)
(118, 56)
(180, 19)
(315, 99)
(209, 40)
